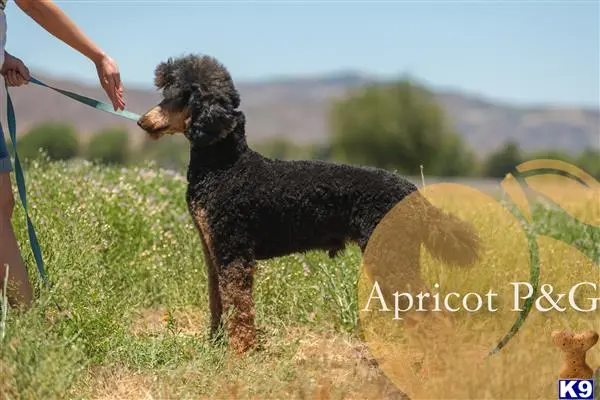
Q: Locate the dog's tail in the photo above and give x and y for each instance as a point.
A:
(448, 238)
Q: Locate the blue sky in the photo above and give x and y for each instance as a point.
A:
(525, 52)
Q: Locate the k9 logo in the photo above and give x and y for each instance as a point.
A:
(575, 389)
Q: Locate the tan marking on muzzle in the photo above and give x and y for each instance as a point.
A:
(162, 121)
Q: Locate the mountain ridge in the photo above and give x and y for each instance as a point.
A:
(297, 108)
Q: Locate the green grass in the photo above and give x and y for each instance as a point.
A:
(127, 267)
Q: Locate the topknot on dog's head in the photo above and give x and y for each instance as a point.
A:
(163, 74)
(191, 73)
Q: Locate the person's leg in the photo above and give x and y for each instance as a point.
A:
(19, 291)
(19, 288)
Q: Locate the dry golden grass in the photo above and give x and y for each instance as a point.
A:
(451, 361)
(326, 366)
(160, 320)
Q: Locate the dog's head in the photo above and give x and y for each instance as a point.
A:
(199, 100)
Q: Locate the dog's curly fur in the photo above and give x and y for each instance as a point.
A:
(247, 207)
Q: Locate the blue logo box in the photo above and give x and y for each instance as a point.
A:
(576, 389)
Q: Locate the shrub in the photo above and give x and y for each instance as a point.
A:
(109, 147)
(59, 141)
(503, 161)
(589, 160)
(398, 125)
(282, 148)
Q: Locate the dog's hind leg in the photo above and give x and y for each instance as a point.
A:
(235, 285)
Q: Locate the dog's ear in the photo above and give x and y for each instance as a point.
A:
(164, 74)
(209, 120)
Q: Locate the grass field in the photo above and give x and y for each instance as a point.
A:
(126, 264)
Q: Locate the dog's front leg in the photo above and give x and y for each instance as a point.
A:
(212, 266)
(235, 286)
(214, 297)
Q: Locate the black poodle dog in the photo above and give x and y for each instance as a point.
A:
(247, 207)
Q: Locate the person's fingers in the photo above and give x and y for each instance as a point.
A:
(119, 87)
(111, 83)
(118, 101)
(26, 75)
(13, 80)
(23, 71)
(117, 79)
(7, 78)
(111, 91)
(19, 79)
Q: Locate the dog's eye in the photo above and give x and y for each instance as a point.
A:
(174, 102)
(172, 93)
(179, 102)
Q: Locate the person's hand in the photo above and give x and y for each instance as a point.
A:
(14, 71)
(110, 79)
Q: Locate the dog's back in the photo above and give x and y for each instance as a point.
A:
(272, 207)
(304, 205)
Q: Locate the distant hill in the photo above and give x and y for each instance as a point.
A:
(297, 108)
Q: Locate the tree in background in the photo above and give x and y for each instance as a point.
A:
(460, 160)
(110, 146)
(284, 149)
(398, 126)
(502, 161)
(58, 141)
(552, 154)
(589, 161)
(280, 148)
(321, 151)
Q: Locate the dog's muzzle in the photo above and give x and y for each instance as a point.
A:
(149, 126)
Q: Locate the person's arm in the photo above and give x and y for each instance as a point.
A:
(50, 17)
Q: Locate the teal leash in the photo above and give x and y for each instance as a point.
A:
(20, 176)
(89, 101)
